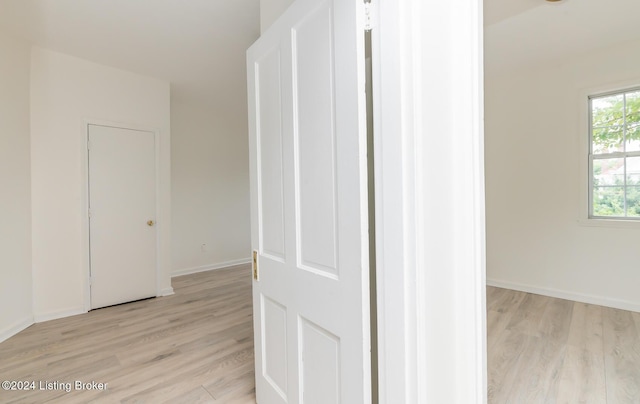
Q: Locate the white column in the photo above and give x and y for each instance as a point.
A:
(430, 201)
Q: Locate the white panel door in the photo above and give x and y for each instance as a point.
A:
(122, 203)
(309, 206)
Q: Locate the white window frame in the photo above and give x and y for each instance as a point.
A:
(603, 156)
(585, 159)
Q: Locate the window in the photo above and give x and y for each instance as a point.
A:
(614, 155)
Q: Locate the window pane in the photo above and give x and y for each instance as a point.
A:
(607, 140)
(615, 131)
(633, 171)
(633, 106)
(608, 172)
(607, 111)
(633, 121)
(633, 144)
(608, 201)
(633, 201)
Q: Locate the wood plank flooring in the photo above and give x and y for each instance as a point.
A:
(546, 350)
(193, 347)
(197, 347)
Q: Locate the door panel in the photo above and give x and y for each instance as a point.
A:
(275, 345)
(271, 166)
(309, 206)
(314, 136)
(122, 199)
(320, 357)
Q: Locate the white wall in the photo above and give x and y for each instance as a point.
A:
(210, 182)
(64, 92)
(533, 182)
(270, 10)
(15, 178)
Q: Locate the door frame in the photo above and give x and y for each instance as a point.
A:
(85, 216)
(431, 321)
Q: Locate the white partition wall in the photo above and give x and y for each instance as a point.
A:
(15, 180)
(430, 201)
(66, 92)
(427, 64)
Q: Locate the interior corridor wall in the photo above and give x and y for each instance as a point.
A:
(15, 188)
(210, 182)
(535, 176)
(210, 161)
(65, 92)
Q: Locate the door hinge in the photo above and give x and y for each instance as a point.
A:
(255, 265)
(370, 16)
(89, 213)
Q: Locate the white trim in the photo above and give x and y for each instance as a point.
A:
(15, 328)
(633, 224)
(583, 158)
(86, 261)
(567, 295)
(427, 60)
(85, 208)
(211, 267)
(54, 315)
(166, 292)
(397, 345)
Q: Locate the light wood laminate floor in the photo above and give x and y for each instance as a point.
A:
(192, 347)
(197, 347)
(546, 350)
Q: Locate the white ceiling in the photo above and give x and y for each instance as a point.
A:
(199, 45)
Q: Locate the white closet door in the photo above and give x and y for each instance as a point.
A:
(122, 202)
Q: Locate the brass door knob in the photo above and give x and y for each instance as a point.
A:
(150, 223)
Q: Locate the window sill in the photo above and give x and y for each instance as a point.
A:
(611, 223)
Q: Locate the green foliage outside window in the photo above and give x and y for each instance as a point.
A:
(610, 200)
(615, 134)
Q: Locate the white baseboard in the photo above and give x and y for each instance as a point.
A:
(220, 265)
(15, 328)
(166, 292)
(562, 294)
(54, 315)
